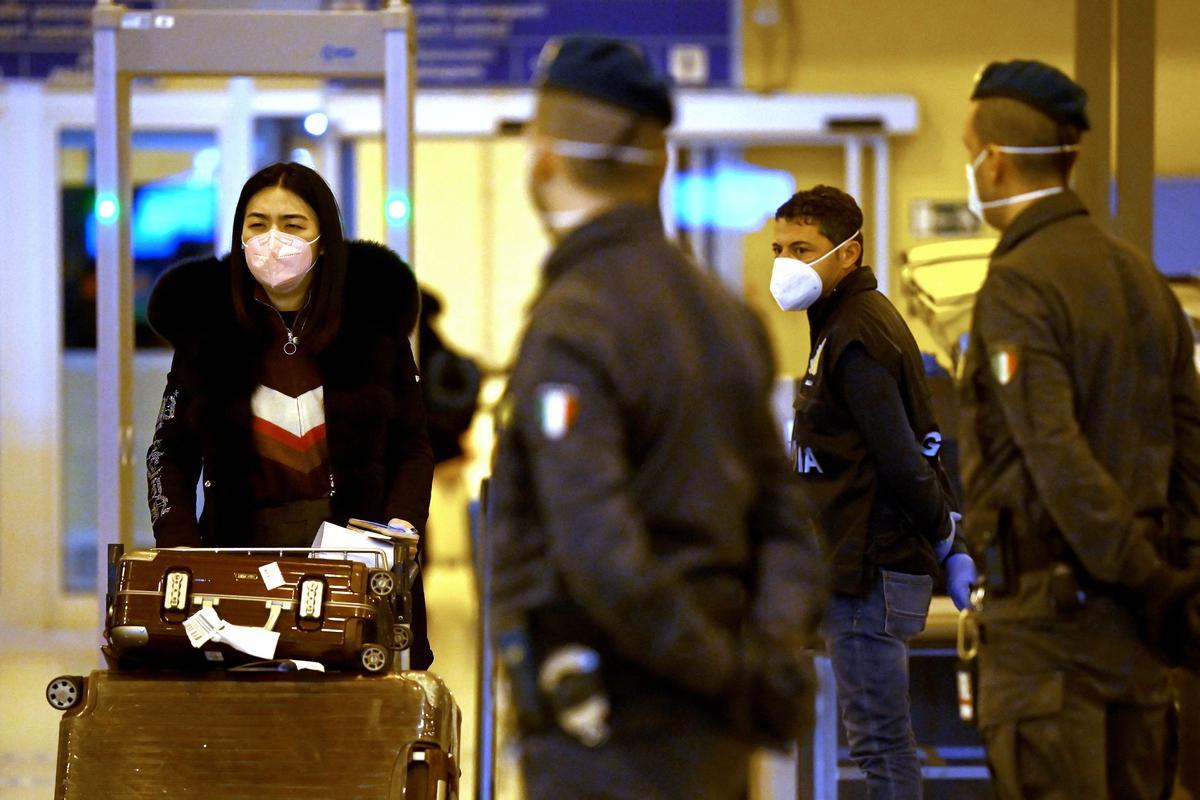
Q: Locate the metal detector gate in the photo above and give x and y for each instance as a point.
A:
(214, 43)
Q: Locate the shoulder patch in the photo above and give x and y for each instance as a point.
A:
(1005, 360)
(557, 407)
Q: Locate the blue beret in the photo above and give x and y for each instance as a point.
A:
(611, 70)
(1038, 85)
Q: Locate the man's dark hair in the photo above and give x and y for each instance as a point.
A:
(1005, 121)
(329, 273)
(835, 213)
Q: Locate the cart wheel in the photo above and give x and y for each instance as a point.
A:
(374, 658)
(402, 637)
(65, 692)
(382, 583)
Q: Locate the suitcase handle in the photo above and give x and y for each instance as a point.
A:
(380, 559)
(274, 609)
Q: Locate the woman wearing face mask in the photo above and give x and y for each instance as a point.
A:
(293, 391)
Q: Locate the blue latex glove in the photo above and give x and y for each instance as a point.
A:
(942, 549)
(960, 576)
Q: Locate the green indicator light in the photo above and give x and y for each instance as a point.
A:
(107, 209)
(397, 209)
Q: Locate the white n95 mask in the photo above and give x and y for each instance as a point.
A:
(795, 284)
(976, 206)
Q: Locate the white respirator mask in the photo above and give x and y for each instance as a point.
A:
(795, 284)
(976, 206)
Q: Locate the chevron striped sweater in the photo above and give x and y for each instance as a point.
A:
(289, 428)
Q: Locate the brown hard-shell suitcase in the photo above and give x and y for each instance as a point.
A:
(229, 735)
(339, 612)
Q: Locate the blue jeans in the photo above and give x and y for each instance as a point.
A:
(867, 638)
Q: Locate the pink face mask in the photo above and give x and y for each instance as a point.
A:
(278, 261)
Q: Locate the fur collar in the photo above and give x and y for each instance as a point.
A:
(191, 298)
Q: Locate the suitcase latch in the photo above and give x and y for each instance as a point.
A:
(312, 595)
(175, 591)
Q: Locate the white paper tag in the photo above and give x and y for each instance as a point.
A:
(271, 575)
(202, 626)
(214, 655)
(317, 666)
(255, 641)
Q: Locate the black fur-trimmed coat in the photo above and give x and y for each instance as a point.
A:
(379, 450)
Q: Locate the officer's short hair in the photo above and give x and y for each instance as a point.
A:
(1005, 121)
(577, 118)
(835, 213)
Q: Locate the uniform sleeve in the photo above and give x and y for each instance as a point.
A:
(172, 468)
(572, 429)
(873, 398)
(1185, 469)
(410, 456)
(791, 582)
(1033, 386)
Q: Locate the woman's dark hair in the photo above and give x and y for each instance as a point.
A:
(324, 315)
(835, 213)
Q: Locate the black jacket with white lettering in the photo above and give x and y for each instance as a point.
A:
(867, 524)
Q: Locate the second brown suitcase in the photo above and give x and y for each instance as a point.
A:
(256, 736)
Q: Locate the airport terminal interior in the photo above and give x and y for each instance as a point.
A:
(773, 96)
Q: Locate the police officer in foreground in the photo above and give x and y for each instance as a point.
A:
(1081, 459)
(867, 450)
(656, 578)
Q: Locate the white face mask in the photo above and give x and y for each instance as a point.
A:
(279, 261)
(563, 220)
(976, 206)
(795, 284)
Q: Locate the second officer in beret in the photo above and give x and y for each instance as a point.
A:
(1081, 464)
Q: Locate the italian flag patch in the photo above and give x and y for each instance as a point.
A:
(1004, 364)
(558, 407)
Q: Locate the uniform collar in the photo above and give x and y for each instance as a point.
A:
(1041, 213)
(623, 223)
(862, 279)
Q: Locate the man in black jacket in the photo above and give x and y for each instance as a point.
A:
(866, 447)
(1081, 463)
(657, 579)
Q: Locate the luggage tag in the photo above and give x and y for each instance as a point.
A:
(966, 674)
(255, 641)
(272, 576)
(203, 626)
(965, 677)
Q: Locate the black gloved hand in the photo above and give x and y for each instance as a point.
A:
(1165, 598)
(773, 694)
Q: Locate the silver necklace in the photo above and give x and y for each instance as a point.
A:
(291, 346)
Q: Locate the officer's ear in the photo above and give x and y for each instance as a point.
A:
(542, 160)
(853, 254)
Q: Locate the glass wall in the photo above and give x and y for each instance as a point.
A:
(174, 215)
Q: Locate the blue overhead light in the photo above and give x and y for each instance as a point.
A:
(108, 208)
(397, 209)
(316, 123)
(736, 197)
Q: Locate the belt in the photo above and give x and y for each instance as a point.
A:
(1048, 547)
(1037, 552)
